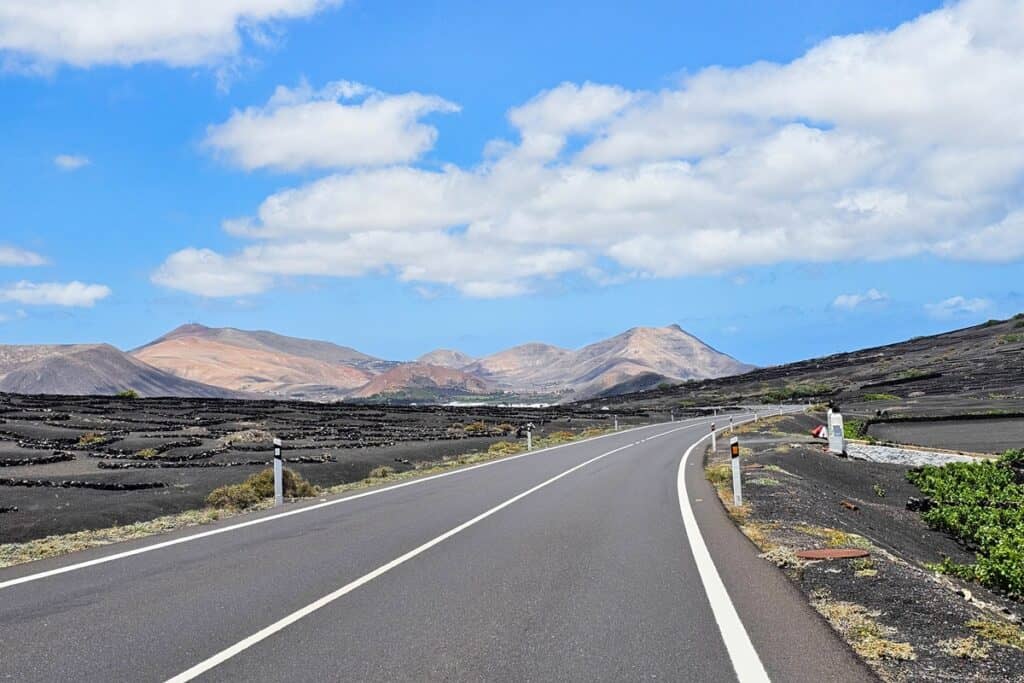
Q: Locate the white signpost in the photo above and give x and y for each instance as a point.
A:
(836, 433)
(529, 436)
(278, 474)
(714, 439)
(737, 490)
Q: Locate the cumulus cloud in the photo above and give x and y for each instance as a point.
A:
(341, 125)
(70, 162)
(40, 35)
(957, 305)
(13, 256)
(71, 294)
(851, 301)
(872, 146)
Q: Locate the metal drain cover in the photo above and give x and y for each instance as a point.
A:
(831, 553)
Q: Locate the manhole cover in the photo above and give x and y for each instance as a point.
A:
(831, 553)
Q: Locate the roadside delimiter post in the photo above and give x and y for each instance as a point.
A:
(730, 425)
(616, 423)
(714, 439)
(278, 474)
(529, 436)
(737, 491)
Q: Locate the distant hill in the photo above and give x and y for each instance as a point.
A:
(91, 369)
(446, 358)
(262, 340)
(667, 353)
(249, 369)
(977, 365)
(423, 379)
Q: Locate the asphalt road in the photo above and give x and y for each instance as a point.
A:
(572, 564)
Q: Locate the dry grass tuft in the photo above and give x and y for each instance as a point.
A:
(965, 648)
(52, 546)
(860, 629)
(1001, 632)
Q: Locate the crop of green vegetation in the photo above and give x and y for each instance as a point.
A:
(794, 391)
(980, 503)
(855, 429)
(128, 393)
(1010, 339)
(881, 397)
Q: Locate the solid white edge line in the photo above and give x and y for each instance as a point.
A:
(745, 660)
(309, 508)
(281, 624)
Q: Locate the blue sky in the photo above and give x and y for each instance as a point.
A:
(782, 179)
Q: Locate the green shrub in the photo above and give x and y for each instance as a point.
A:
(980, 503)
(260, 486)
(881, 397)
(1012, 458)
(147, 453)
(128, 393)
(382, 472)
(1010, 339)
(793, 392)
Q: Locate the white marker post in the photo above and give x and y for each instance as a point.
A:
(730, 425)
(836, 433)
(714, 439)
(737, 486)
(616, 423)
(278, 474)
(529, 436)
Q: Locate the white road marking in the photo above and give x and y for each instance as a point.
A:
(281, 624)
(270, 518)
(745, 660)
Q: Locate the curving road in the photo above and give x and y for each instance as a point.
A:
(600, 560)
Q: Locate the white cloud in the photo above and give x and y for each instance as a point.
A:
(13, 256)
(874, 146)
(74, 293)
(40, 35)
(207, 273)
(851, 301)
(70, 162)
(342, 125)
(957, 305)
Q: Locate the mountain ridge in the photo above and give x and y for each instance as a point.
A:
(268, 364)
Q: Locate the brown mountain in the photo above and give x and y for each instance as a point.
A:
(91, 369)
(421, 379)
(446, 358)
(665, 352)
(245, 368)
(521, 368)
(262, 340)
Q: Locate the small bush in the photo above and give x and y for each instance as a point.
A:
(258, 487)
(881, 397)
(476, 428)
(505, 428)
(91, 439)
(1010, 339)
(147, 453)
(504, 448)
(382, 472)
(128, 393)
